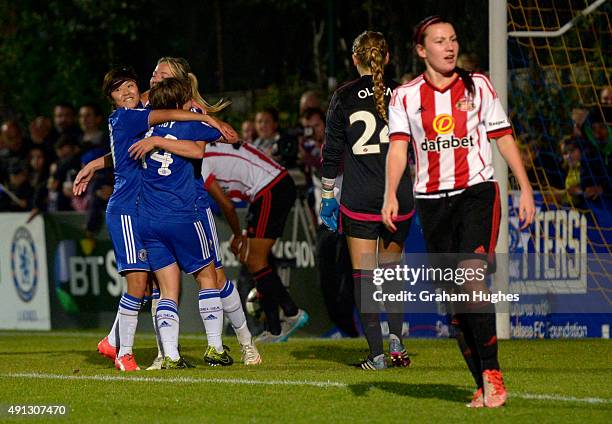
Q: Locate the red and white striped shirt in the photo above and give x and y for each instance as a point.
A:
(449, 129)
(243, 172)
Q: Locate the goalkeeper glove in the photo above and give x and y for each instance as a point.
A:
(329, 210)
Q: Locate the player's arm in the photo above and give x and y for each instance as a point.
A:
(159, 116)
(395, 168)
(186, 148)
(87, 172)
(397, 157)
(333, 147)
(508, 149)
(238, 242)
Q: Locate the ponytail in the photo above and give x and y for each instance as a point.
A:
(377, 65)
(371, 50)
(466, 77)
(197, 97)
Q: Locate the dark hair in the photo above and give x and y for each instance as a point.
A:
(418, 37)
(16, 166)
(115, 77)
(97, 110)
(312, 111)
(65, 105)
(270, 111)
(170, 93)
(65, 140)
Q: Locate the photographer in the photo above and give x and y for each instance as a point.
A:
(281, 148)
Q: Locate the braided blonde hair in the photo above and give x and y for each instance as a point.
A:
(371, 49)
(180, 69)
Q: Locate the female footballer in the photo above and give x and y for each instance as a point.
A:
(450, 116)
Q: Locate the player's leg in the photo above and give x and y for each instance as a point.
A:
(232, 309)
(480, 211)
(267, 282)
(194, 250)
(230, 299)
(167, 315)
(155, 298)
(390, 250)
(266, 223)
(132, 263)
(363, 258)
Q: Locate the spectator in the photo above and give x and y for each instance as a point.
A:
(596, 157)
(247, 130)
(469, 62)
(41, 135)
(38, 164)
(99, 190)
(310, 99)
(282, 149)
(407, 77)
(17, 193)
(572, 195)
(605, 96)
(62, 173)
(12, 145)
(64, 121)
(90, 119)
(13, 142)
(313, 122)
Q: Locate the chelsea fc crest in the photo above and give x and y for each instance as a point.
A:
(24, 265)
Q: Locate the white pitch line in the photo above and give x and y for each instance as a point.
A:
(560, 398)
(324, 384)
(184, 380)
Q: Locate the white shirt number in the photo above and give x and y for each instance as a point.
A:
(361, 147)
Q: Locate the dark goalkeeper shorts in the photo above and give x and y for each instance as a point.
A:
(370, 227)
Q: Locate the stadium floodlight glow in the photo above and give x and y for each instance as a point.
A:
(562, 30)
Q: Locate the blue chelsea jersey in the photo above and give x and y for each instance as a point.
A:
(125, 127)
(168, 189)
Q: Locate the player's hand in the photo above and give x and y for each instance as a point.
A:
(238, 245)
(226, 130)
(82, 179)
(140, 149)
(329, 212)
(389, 212)
(526, 208)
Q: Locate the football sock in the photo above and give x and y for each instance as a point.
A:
(395, 309)
(482, 326)
(112, 339)
(155, 295)
(370, 319)
(168, 327)
(232, 308)
(211, 311)
(264, 282)
(129, 306)
(467, 347)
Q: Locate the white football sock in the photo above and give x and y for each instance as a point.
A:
(154, 302)
(129, 306)
(211, 311)
(112, 339)
(168, 327)
(232, 308)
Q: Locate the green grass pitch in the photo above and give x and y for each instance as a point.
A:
(303, 380)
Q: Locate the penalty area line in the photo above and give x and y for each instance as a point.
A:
(238, 381)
